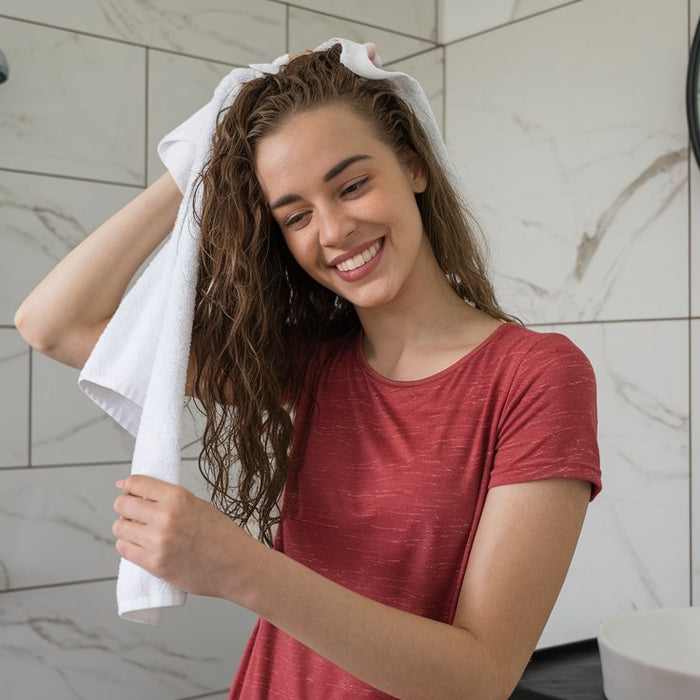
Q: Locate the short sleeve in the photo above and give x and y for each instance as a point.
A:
(548, 426)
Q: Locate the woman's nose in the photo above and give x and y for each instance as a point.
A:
(335, 227)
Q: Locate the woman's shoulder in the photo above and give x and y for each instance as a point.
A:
(539, 353)
(526, 340)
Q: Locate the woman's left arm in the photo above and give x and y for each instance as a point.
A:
(522, 550)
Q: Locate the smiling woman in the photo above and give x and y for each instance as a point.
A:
(436, 457)
(355, 228)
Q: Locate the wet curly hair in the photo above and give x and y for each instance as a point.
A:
(253, 301)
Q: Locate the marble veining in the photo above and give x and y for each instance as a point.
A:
(579, 175)
(59, 507)
(55, 232)
(76, 107)
(233, 32)
(308, 29)
(55, 524)
(68, 639)
(624, 558)
(460, 19)
(412, 17)
(14, 413)
(174, 26)
(583, 292)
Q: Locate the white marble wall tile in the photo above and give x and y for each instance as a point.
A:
(242, 31)
(193, 424)
(459, 19)
(177, 87)
(634, 549)
(14, 408)
(694, 235)
(43, 219)
(429, 70)
(68, 643)
(695, 464)
(55, 524)
(309, 29)
(693, 17)
(67, 427)
(73, 105)
(577, 166)
(415, 17)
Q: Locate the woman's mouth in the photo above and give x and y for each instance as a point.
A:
(361, 264)
(360, 259)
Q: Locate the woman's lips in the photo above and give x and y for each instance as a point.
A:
(354, 267)
(360, 259)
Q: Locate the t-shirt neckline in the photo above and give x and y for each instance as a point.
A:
(457, 364)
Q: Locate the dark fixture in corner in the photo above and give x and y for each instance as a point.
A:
(692, 94)
(4, 70)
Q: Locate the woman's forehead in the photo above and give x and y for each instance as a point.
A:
(317, 139)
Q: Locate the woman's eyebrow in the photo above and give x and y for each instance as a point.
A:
(346, 162)
(333, 172)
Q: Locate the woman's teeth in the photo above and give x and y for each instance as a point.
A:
(360, 259)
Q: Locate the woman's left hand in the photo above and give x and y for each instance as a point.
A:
(182, 539)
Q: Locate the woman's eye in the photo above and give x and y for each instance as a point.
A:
(355, 186)
(295, 220)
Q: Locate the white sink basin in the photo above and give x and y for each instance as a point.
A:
(651, 654)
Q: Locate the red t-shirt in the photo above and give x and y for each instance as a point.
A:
(387, 483)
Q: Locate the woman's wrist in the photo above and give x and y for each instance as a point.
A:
(247, 566)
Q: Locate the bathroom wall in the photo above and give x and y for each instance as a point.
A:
(92, 88)
(567, 122)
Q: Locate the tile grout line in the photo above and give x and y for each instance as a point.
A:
(510, 22)
(29, 412)
(369, 25)
(77, 465)
(534, 324)
(437, 22)
(62, 584)
(208, 694)
(691, 514)
(76, 178)
(286, 28)
(690, 353)
(444, 94)
(145, 126)
(125, 42)
(409, 56)
(289, 6)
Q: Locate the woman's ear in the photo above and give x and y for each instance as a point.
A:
(415, 169)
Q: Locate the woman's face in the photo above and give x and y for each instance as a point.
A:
(345, 204)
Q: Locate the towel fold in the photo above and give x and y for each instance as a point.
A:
(137, 370)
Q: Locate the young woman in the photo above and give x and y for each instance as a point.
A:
(434, 458)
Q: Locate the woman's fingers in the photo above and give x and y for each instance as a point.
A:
(144, 486)
(134, 508)
(131, 531)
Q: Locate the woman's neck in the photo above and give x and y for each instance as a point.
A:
(425, 332)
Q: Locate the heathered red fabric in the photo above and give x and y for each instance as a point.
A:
(386, 493)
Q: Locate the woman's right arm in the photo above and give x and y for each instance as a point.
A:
(65, 314)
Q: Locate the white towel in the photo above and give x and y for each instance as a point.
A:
(137, 370)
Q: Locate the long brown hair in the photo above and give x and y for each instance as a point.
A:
(254, 302)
